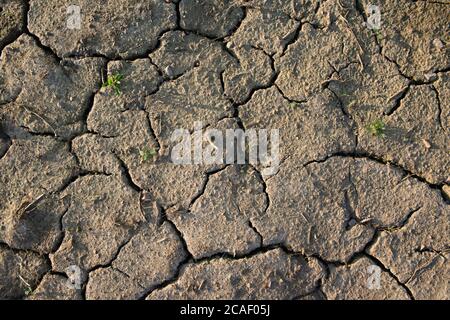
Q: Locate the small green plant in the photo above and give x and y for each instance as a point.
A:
(378, 35)
(377, 128)
(27, 290)
(113, 81)
(146, 154)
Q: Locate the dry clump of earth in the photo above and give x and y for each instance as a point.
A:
(79, 204)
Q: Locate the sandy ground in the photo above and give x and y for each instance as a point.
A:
(93, 207)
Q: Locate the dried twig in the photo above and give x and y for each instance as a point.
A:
(40, 117)
(356, 38)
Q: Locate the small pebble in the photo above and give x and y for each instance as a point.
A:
(426, 144)
(438, 43)
(446, 190)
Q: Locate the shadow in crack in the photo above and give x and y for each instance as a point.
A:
(5, 142)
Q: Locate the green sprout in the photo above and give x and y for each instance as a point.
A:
(147, 154)
(27, 290)
(377, 128)
(113, 81)
(377, 34)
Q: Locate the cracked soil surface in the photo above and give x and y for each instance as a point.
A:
(74, 190)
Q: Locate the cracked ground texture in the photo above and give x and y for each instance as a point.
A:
(74, 190)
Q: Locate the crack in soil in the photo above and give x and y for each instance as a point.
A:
(126, 174)
(6, 143)
(384, 268)
(365, 155)
(290, 39)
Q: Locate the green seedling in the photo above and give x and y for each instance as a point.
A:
(113, 81)
(75, 230)
(28, 290)
(146, 154)
(377, 34)
(377, 128)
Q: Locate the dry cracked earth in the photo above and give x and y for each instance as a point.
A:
(74, 191)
